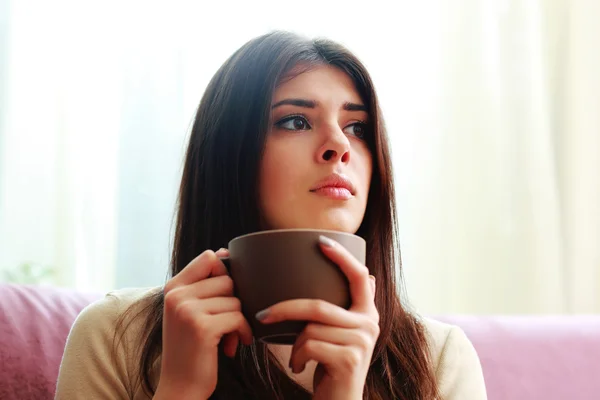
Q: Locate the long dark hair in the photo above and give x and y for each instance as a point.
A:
(218, 200)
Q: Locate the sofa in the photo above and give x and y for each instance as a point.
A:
(523, 357)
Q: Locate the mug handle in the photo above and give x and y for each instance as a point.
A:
(226, 262)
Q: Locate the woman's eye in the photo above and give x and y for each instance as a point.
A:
(357, 129)
(295, 123)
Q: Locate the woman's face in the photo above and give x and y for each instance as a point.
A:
(316, 168)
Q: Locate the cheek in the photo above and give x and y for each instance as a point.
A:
(279, 178)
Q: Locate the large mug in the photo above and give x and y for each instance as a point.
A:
(268, 267)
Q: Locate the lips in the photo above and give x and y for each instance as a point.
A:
(335, 185)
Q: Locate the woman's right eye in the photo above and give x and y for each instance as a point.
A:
(293, 123)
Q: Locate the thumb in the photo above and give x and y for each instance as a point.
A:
(222, 252)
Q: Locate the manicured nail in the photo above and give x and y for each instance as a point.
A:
(261, 315)
(325, 241)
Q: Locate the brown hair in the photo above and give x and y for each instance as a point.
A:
(218, 200)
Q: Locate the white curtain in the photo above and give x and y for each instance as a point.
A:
(507, 219)
(491, 107)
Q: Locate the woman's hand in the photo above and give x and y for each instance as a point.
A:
(199, 310)
(341, 341)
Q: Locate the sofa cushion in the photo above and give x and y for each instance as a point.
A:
(34, 324)
(536, 357)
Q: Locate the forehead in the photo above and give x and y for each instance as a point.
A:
(323, 83)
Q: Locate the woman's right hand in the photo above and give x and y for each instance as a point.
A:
(199, 311)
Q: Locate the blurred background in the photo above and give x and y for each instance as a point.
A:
(492, 106)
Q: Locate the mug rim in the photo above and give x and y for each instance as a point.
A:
(293, 230)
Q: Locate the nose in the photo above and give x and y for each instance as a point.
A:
(336, 148)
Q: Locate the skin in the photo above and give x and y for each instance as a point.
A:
(331, 357)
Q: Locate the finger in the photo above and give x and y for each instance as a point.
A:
(362, 339)
(230, 344)
(219, 305)
(205, 265)
(212, 287)
(313, 310)
(222, 252)
(333, 334)
(357, 274)
(329, 354)
(231, 322)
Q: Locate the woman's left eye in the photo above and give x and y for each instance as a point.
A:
(358, 129)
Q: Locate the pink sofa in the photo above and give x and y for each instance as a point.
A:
(523, 358)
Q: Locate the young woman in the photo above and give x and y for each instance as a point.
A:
(282, 119)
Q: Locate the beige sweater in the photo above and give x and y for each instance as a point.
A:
(90, 370)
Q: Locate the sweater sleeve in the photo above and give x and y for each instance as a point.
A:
(459, 372)
(95, 363)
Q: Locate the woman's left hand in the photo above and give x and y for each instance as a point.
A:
(341, 341)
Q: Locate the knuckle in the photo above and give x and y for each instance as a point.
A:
(200, 260)
(171, 299)
(364, 272)
(203, 259)
(365, 341)
(169, 286)
(310, 346)
(320, 308)
(186, 314)
(227, 284)
(351, 359)
(206, 253)
(241, 322)
(310, 330)
(236, 303)
(372, 327)
(241, 319)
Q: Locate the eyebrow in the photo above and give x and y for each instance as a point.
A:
(354, 107)
(348, 106)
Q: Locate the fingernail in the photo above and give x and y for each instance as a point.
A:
(372, 278)
(261, 315)
(325, 241)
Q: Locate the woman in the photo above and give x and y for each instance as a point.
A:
(282, 114)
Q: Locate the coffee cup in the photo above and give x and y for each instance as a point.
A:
(268, 267)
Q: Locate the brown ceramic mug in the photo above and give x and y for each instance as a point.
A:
(272, 266)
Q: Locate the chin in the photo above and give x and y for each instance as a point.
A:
(334, 222)
(340, 226)
(331, 220)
